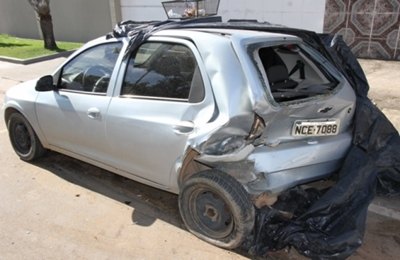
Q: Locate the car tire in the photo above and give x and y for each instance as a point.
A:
(216, 208)
(23, 139)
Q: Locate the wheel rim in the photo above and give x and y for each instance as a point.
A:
(22, 138)
(211, 213)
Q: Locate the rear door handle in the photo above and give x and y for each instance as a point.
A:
(184, 127)
(93, 113)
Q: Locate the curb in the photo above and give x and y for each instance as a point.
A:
(384, 211)
(36, 59)
(387, 207)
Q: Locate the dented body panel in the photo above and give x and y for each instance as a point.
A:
(279, 160)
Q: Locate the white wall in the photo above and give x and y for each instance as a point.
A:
(73, 20)
(142, 10)
(305, 14)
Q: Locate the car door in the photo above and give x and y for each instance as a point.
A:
(161, 102)
(73, 117)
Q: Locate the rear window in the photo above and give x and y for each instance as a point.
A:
(291, 73)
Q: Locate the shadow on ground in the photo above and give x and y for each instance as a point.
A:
(8, 45)
(149, 203)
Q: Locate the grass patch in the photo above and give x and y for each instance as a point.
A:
(22, 48)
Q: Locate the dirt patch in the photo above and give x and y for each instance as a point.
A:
(381, 240)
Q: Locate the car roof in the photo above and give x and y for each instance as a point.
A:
(222, 32)
(247, 28)
(138, 32)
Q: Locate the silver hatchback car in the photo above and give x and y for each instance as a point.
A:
(227, 118)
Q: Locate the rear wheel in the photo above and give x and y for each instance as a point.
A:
(23, 139)
(216, 208)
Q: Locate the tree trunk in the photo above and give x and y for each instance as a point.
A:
(46, 25)
(42, 9)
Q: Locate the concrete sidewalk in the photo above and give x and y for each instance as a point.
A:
(384, 81)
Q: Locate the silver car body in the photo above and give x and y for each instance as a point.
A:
(160, 142)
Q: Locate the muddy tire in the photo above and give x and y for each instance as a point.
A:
(216, 208)
(23, 139)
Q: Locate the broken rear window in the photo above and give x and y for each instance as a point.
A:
(291, 73)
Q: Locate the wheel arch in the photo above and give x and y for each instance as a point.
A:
(190, 167)
(10, 109)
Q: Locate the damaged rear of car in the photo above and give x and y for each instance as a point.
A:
(282, 116)
(300, 123)
(281, 120)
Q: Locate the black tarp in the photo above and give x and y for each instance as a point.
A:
(329, 224)
(373, 132)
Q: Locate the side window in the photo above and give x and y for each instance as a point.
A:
(163, 70)
(91, 70)
(292, 74)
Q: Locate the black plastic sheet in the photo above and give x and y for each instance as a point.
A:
(373, 132)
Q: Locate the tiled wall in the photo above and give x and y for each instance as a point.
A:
(370, 27)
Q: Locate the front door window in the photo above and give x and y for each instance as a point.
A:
(91, 70)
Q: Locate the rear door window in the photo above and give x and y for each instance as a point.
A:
(160, 70)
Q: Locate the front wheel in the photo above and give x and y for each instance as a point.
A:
(23, 139)
(216, 208)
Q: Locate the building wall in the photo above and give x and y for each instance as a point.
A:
(18, 18)
(142, 10)
(306, 14)
(370, 27)
(80, 20)
(73, 20)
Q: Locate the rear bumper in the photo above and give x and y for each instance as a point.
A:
(291, 164)
(274, 183)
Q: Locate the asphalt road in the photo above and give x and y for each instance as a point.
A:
(61, 208)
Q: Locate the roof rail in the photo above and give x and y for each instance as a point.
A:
(129, 27)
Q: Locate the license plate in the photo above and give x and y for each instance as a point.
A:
(316, 128)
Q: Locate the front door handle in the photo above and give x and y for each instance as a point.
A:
(93, 113)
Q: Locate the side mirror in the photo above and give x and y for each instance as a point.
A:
(45, 83)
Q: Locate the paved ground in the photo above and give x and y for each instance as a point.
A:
(61, 208)
(384, 80)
